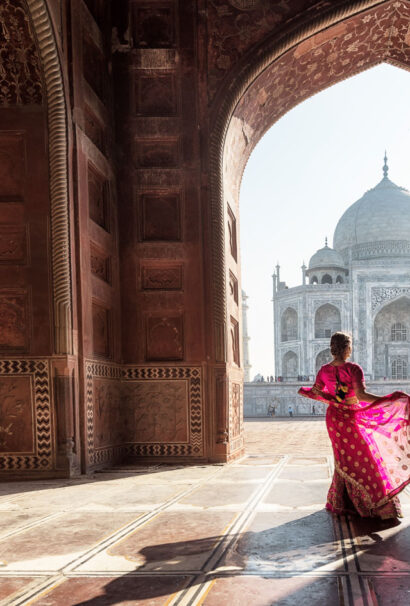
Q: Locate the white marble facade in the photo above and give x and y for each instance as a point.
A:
(361, 285)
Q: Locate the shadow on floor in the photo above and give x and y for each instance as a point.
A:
(294, 547)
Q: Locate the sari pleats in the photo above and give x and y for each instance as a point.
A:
(371, 447)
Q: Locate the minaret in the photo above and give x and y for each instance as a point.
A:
(245, 338)
(303, 268)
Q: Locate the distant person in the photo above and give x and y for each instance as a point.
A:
(290, 411)
(369, 436)
(313, 410)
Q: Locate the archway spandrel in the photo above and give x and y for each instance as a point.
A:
(247, 22)
(319, 61)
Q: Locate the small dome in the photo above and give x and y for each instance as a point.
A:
(325, 258)
(381, 215)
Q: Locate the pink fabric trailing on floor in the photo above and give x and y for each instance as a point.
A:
(371, 443)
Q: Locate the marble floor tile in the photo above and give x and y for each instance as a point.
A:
(259, 591)
(172, 541)
(218, 495)
(391, 591)
(382, 545)
(292, 542)
(292, 493)
(231, 535)
(305, 472)
(57, 542)
(259, 459)
(238, 473)
(118, 591)
(9, 587)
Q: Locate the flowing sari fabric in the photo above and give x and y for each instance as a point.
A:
(371, 443)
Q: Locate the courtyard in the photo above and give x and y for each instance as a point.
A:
(253, 532)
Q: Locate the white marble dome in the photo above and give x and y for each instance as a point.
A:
(326, 258)
(381, 215)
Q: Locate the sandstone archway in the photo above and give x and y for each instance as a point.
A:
(263, 87)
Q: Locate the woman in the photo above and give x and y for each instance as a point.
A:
(370, 437)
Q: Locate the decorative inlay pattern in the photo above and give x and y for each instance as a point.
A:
(192, 377)
(20, 74)
(14, 319)
(381, 249)
(38, 373)
(166, 388)
(382, 294)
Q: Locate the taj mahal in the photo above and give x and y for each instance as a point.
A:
(361, 285)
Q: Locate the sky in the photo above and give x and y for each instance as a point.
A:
(305, 172)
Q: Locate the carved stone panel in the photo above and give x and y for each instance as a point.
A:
(20, 73)
(14, 323)
(233, 287)
(161, 217)
(12, 166)
(154, 27)
(234, 330)
(160, 413)
(107, 413)
(167, 277)
(16, 415)
(383, 294)
(236, 410)
(157, 411)
(13, 244)
(101, 330)
(25, 415)
(94, 67)
(164, 337)
(98, 198)
(100, 264)
(233, 238)
(156, 95)
(157, 153)
(94, 129)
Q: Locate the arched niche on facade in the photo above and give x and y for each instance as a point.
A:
(339, 279)
(289, 325)
(327, 279)
(314, 280)
(290, 365)
(391, 339)
(323, 357)
(327, 321)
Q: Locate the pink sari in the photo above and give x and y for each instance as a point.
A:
(371, 443)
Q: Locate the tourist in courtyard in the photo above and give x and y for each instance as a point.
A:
(290, 411)
(369, 435)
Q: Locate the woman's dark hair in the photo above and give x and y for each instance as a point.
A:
(339, 341)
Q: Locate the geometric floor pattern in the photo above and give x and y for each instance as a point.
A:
(251, 533)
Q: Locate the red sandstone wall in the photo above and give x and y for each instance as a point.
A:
(152, 373)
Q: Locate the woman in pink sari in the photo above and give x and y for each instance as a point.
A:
(370, 437)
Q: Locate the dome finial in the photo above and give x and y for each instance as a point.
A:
(385, 166)
(326, 242)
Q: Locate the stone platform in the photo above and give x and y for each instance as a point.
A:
(251, 533)
(259, 397)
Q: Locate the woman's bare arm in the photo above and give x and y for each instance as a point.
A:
(365, 396)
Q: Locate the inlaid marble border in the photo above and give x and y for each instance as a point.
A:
(39, 372)
(193, 375)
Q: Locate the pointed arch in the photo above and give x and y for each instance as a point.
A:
(58, 167)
